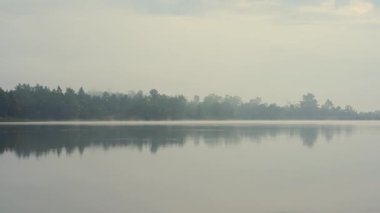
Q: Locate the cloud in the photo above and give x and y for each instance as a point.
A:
(274, 8)
(353, 8)
(245, 47)
(359, 7)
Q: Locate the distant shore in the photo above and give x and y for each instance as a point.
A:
(193, 122)
(40, 103)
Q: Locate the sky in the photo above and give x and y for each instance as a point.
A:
(274, 49)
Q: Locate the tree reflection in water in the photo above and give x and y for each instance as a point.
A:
(38, 140)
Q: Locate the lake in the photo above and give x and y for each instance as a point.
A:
(190, 167)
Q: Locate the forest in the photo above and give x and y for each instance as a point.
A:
(26, 102)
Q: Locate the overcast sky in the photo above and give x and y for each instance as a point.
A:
(274, 49)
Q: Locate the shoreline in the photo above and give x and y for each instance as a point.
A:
(191, 122)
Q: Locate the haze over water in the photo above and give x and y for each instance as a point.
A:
(190, 167)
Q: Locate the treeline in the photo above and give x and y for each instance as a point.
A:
(42, 103)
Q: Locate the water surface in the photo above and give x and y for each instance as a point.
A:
(231, 166)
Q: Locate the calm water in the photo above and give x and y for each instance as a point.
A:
(194, 167)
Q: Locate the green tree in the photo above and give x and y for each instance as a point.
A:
(71, 104)
(3, 103)
(309, 106)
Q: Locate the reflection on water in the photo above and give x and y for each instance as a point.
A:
(213, 167)
(39, 140)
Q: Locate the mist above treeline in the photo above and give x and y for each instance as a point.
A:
(26, 102)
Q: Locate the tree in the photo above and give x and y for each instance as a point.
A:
(309, 106)
(41, 103)
(212, 107)
(309, 102)
(71, 104)
(3, 103)
(328, 105)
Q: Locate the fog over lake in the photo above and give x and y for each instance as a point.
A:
(189, 106)
(274, 49)
(191, 166)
